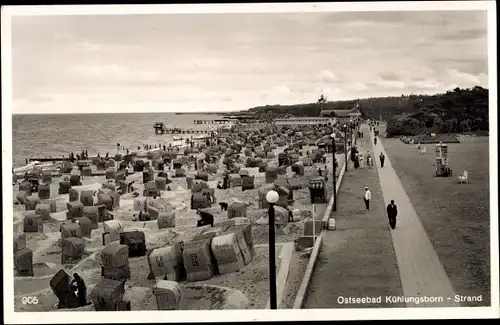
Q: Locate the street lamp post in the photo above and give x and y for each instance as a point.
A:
(334, 150)
(272, 197)
(345, 145)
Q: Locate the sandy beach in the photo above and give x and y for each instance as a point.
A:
(247, 288)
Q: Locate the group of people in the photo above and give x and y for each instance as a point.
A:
(359, 160)
(392, 209)
(79, 289)
(72, 157)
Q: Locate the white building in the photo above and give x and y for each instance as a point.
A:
(323, 121)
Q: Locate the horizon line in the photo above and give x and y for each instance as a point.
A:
(248, 109)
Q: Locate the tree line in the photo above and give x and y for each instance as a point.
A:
(457, 110)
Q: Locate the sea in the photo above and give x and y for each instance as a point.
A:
(55, 135)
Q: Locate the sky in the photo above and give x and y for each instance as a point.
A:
(230, 62)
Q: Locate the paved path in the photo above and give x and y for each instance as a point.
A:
(420, 270)
(357, 260)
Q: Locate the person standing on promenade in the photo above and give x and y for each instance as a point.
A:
(382, 159)
(367, 197)
(392, 213)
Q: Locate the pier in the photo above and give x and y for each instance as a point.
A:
(185, 131)
(160, 128)
(77, 161)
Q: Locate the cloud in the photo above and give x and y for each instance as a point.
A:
(356, 86)
(114, 72)
(348, 40)
(325, 76)
(38, 98)
(62, 36)
(88, 46)
(123, 61)
(196, 63)
(396, 85)
(390, 76)
(463, 77)
(378, 18)
(464, 35)
(426, 84)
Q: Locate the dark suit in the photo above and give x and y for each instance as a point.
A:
(392, 213)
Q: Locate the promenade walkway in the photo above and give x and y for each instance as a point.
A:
(357, 260)
(365, 258)
(421, 272)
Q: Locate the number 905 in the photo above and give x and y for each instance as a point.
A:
(29, 300)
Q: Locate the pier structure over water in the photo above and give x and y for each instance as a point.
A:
(160, 128)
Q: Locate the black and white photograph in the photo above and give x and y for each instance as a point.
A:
(183, 159)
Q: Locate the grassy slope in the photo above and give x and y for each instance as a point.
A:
(455, 216)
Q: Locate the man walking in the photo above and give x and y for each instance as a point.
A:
(382, 159)
(367, 198)
(392, 213)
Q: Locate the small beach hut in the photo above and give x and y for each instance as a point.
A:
(74, 195)
(92, 213)
(168, 295)
(262, 192)
(166, 219)
(135, 241)
(271, 174)
(227, 253)
(247, 182)
(75, 209)
(198, 260)
(43, 210)
(237, 210)
(179, 172)
(85, 226)
(23, 262)
(75, 180)
(107, 294)
(115, 261)
(198, 185)
(72, 249)
(234, 180)
(262, 167)
(202, 175)
(139, 165)
(168, 262)
(46, 176)
(150, 189)
(112, 230)
(31, 201)
(199, 200)
(64, 187)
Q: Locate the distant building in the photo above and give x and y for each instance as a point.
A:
(342, 116)
(256, 126)
(327, 113)
(346, 115)
(322, 121)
